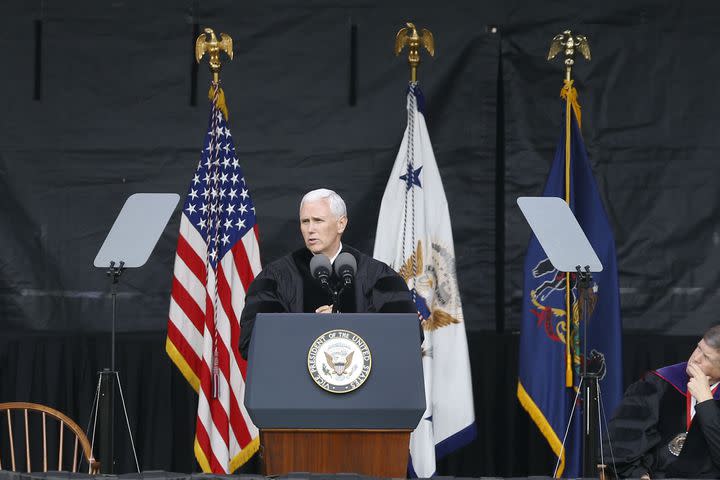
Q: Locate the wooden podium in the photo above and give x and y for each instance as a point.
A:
(377, 453)
(303, 427)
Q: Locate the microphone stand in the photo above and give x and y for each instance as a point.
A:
(323, 276)
(335, 294)
(335, 299)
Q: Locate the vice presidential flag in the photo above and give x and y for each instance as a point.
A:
(217, 258)
(551, 358)
(414, 237)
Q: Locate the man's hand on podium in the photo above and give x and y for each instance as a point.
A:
(324, 309)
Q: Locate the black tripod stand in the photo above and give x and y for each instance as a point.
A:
(104, 401)
(589, 387)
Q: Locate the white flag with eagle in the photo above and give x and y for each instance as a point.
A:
(414, 237)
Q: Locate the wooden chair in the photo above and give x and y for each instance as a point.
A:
(35, 419)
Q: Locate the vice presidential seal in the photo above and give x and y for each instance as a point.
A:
(339, 361)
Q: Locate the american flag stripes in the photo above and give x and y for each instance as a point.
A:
(217, 258)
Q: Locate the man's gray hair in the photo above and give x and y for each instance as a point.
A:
(712, 337)
(337, 204)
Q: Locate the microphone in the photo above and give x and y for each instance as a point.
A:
(320, 269)
(345, 267)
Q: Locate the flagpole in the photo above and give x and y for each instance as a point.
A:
(408, 35)
(568, 43)
(568, 301)
(215, 447)
(410, 223)
(208, 42)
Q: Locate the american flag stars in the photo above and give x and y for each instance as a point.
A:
(219, 204)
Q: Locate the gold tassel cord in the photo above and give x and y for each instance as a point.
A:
(568, 298)
(570, 95)
(220, 101)
(567, 94)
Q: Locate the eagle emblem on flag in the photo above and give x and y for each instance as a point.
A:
(427, 285)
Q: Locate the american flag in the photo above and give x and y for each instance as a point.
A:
(217, 258)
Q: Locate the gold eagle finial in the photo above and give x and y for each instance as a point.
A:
(408, 35)
(569, 43)
(208, 43)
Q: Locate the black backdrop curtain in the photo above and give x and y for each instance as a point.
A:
(123, 111)
(100, 100)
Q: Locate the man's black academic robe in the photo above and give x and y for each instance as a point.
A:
(287, 285)
(652, 413)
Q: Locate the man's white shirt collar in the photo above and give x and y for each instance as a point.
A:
(332, 260)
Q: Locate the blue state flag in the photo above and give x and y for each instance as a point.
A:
(551, 356)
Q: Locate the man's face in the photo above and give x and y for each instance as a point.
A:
(707, 359)
(320, 229)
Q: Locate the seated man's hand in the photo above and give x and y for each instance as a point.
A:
(645, 476)
(324, 309)
(699, 385)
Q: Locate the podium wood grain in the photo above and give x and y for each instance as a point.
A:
(379, 453)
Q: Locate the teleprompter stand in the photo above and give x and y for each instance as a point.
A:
(129, 244)
(569, 250)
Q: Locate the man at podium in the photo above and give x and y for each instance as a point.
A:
(287, 285)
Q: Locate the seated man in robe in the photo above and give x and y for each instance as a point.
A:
(668, 424)
(287, 284)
